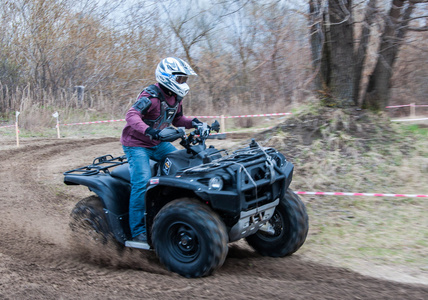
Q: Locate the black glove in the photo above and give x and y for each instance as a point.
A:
(153, 133)
(196, 123)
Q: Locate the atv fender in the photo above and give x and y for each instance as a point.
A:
(114, 194)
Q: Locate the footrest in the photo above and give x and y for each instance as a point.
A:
(138, 245)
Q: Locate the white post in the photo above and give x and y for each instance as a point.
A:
(17, 128)
(222, 124)
(412, 110)
(56, 116)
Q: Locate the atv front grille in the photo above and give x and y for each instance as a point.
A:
(260, 188)
(259, 181)
(252, 177)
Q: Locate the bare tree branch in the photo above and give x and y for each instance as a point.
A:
(418, 28)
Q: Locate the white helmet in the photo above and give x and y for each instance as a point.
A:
(172, 73)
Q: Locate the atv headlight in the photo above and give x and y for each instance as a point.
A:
(215, 183)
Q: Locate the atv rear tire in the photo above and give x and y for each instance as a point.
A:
(189, 238)
(290, 223)
(87, 220)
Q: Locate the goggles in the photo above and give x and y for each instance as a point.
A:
(181, 78)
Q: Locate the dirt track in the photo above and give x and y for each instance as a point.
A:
(38, 262)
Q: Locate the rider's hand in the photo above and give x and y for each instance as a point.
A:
(153, 133)
(205, 132)
(215, 126)
(196, 123)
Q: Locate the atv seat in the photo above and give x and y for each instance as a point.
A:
(122, 171)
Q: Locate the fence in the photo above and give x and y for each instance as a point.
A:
(221, 117)
(412, 106)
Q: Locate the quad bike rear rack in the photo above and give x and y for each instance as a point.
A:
(100, 164)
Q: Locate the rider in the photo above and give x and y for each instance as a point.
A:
(157, 106)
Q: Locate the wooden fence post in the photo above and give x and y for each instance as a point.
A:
(17, 129)
(222, 124)
(412, 110)
(56, 116)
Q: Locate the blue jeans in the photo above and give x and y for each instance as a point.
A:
(139, 167)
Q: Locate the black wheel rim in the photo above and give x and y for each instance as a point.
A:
(183, 242)
(279, 225)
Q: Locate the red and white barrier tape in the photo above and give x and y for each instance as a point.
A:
(94, 122)
(7, 126)
(260, 115)
(361, 194)
(202, 117)
(239, 131)
(395, 106)
(241, 116)
(405, 105)
(407, 120)
(231, 117)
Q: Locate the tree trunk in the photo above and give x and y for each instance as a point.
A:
(317, 40)
(361, 52)
(341, 83)
(378, 89)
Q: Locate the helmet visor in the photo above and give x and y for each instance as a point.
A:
(181, 79)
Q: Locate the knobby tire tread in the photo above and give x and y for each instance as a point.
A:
(203, 217)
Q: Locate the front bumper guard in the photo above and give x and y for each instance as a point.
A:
(251, 221)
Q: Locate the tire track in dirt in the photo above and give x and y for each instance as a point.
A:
(37, 262)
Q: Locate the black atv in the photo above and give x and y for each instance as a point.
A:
(198, 200)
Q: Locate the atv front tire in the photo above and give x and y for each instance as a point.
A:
(189, 238)
(290, 228)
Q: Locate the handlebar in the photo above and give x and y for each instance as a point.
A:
(194, 142)
(202, 132)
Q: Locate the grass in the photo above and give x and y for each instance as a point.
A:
(383, 158)
(382, 231)
(416, 130)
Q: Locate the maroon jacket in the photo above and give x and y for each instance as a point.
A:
(133, 135)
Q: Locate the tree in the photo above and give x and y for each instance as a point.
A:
(332, 36)
(339, 58)
(396, 26)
